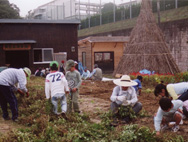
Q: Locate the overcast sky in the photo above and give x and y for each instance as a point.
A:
(27, 5)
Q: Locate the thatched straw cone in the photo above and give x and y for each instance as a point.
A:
(147, 48)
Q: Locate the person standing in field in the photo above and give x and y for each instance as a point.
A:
(74, 82)
(56, 87)
(62, 67)
(8, 79)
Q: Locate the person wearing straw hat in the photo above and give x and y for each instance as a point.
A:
(124, 95)
(8, 79)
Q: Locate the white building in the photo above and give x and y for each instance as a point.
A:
(65, 9)
(128, 4)
(70, 9)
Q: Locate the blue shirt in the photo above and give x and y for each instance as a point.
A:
(138, 86)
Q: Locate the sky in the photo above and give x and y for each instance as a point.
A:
(27, 5)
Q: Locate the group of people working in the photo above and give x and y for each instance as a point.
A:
(95, 75)
(173, 104)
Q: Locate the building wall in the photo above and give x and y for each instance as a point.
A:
(60, 37)
(176, 37)
(85, 48)
(117, 48)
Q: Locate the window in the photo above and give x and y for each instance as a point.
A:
(98, 57)
(43, 55)
(103, 56)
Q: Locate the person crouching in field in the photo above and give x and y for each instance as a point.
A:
(168, 111)
(55, 88)
(124, 95)
(175, 91)
(74, 82)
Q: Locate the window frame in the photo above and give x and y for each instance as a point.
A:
(42, 49)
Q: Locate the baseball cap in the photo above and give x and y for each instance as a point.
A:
(54, 62)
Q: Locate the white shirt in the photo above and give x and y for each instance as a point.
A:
(177, 104)
(130, 95)
(55, 83)
(11, 76)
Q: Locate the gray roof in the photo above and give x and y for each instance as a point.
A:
(104, 39)
(38, 21)
(16, 41)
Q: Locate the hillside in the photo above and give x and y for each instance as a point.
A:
(169, 15)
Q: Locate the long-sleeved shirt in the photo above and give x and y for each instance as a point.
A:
(177, 89)
(96, 74)
(130, 95)
(11, 76)
(74, 79)
(55, 83)
(185, 104)
(177, 104)
(86, 74)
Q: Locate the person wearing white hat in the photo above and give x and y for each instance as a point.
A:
(124, 95)
(8, 79)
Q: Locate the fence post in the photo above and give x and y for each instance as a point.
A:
(130, 9)
(114, 12)
(100, 14)
(176, 4)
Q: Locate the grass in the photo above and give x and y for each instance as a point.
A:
(169, 15)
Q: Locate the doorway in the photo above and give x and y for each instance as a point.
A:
(17, 59)
(105, 61)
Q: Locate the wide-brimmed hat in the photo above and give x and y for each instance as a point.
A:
(69, 64)
(125, 81)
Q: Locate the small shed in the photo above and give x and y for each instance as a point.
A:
(102, 50)
(35, 43)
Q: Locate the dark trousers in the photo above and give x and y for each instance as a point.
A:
(136, 108)
(7, 96)
(184, 96)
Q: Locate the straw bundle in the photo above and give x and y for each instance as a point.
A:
(147, 48)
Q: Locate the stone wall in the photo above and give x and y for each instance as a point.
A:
(176, 36)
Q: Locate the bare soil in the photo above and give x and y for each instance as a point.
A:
(95, 99)
(8, 125)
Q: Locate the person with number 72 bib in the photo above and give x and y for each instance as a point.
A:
(55, 88)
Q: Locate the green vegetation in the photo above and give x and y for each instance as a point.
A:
(8, 11)
(35, 114)
(169, 15)
(153, 80)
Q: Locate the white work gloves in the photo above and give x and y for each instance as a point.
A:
(121, 98)
(126, 103)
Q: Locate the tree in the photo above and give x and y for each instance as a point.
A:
(108, 7)
(8, 11)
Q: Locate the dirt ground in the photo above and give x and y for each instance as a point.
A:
(95, 98)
